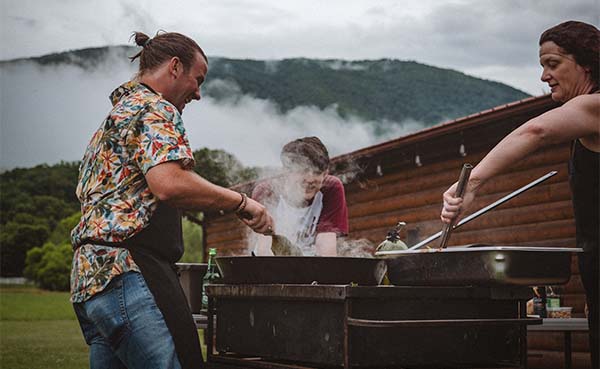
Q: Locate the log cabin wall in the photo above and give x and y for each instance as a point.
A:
(390, 186)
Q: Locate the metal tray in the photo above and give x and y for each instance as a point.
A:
(481, 266)
(300, 270)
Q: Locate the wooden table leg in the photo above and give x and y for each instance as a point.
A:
(568, 349)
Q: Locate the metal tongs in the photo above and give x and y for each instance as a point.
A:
(474, 215)
(463, 179)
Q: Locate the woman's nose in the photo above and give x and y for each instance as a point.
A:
(545, 76)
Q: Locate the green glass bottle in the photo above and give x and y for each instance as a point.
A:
(212, 275)
(552, 297)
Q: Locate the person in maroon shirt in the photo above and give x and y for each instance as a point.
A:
(307, 204)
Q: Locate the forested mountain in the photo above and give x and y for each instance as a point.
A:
(377, 90)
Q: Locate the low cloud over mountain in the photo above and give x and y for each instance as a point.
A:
(51, 105)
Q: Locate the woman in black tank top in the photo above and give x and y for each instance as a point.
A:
(584, 176)
(569, 55)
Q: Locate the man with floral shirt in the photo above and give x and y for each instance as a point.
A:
(134, 179)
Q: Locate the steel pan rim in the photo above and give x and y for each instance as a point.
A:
(485, 249)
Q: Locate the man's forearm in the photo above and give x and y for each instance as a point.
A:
(185, 189)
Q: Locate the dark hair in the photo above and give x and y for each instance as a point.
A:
(306, 153)
(155, 51)
(579, 39)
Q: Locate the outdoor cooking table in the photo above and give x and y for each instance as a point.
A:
(565, 326)
(308, 326)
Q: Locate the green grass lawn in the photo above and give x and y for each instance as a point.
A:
(42, 344)
(38, 329)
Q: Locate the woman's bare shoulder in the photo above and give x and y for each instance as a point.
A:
(588, 101)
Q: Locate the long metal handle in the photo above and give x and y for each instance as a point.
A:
(476, 214)
(441, 322)
(463, 179)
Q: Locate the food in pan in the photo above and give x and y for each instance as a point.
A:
(281, 246)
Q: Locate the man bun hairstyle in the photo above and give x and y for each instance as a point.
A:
(307, 153)
(579, 39)
(164, 46)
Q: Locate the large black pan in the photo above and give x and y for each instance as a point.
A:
(301, 270)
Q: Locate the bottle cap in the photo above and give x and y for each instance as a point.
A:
(212, 251)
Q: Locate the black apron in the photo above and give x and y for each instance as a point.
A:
(155, 250)
(584, 177)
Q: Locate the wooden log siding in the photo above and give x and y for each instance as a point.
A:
(542, 216)
(548, 359)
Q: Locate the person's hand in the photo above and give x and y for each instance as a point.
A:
(256, 216)
(454, 207)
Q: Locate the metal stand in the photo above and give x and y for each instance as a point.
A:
(566, 327)
(232, 360)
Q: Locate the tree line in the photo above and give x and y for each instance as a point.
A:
(38, 209)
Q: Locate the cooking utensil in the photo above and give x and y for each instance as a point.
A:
(463, 179)
(300, 270)
(476, 214)
(282, 246)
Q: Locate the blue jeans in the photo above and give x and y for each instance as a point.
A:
(125, 329)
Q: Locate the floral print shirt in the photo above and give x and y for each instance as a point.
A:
(141, 131)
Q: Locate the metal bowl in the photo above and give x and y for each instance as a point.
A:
(481, 266)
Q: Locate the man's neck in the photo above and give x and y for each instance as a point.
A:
(156, 81)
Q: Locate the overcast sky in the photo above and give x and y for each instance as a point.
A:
(48, 114)
(494, 39)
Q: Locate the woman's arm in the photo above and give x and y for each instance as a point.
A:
(578, 118)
